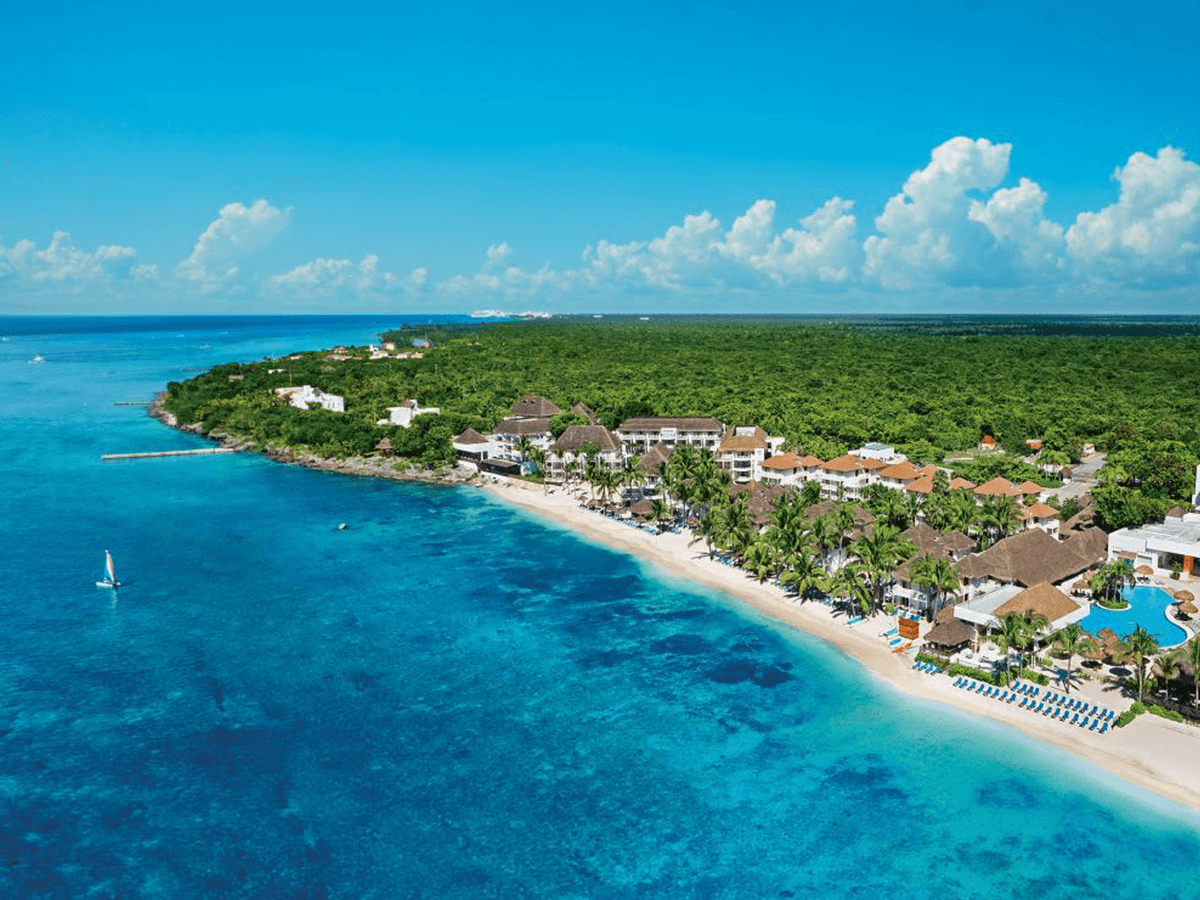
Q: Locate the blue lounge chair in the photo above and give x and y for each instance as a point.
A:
(1041, 703)
(1024, 701)
(1095, 709)
(1012, 695)
(1092, 727)
(1084, 723)
(1074, 719)
(1103, 727)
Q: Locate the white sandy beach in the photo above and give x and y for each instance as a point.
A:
(1151, 752)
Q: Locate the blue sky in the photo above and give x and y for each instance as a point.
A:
(779, 157)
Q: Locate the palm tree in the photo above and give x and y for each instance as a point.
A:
(962, 512)
(1072, 639)
(848, 582)
(999, 517)
(760, 557)
(659, 513)
(825, 536)
(739, 529)
(1192, 650)
(1112, 577)
(539, 459)
(878, 553)
(1012, 636)
(939, 576)
(1139, 645)
(525, 447)
(709, 529)
(1168, 668)
(806, 575)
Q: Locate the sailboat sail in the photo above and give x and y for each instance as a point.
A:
(108, 567)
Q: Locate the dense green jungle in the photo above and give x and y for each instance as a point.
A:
(930, 390)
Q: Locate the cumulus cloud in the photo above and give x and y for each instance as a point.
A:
(1151, 236)
(937, 230)
(343, 277)
(60, 263)
(497, 277)
(238, 232)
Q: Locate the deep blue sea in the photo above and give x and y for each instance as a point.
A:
(450, 699)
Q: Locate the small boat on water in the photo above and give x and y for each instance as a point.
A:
(37, 359)
(110, 574)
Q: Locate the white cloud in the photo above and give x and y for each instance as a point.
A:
(937, 230)
(1151, 236)
(60, 263)
(344, 277)
(238, 232)
(496, 277)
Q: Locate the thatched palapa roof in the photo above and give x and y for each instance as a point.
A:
(950, 634)
(576, 436)
(533, 406)
(1042, 598)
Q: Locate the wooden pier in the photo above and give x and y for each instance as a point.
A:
(205, 451)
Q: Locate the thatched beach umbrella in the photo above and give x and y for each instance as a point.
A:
(1144, 570)
(1080, 586)
(1183, 596)
(1189, 608)
(642, 508)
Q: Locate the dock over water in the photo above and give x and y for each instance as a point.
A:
(204, 451)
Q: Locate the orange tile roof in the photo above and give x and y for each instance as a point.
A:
(922, 485)
(845, 463)
(783, 461)
(962, 484)
(811, 462)
(1042, 511)
(1028, 487)
(871, 462)
(736, 443)
(998, 487)
(904, 470)
(988, 440)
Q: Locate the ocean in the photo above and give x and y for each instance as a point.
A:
(450, 698)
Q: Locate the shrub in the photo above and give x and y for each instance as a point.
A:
(1125, 718)
(1165, 713)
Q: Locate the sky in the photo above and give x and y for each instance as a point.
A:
(711, 157)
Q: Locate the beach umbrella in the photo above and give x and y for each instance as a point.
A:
(1183, 596)
(1188, 607)
(1144, 570)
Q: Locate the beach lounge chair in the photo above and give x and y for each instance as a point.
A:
(1075, 719)
(1041, 703)
(1012, 695)
(1084, 722)
(1103, 727)
(1092, 727)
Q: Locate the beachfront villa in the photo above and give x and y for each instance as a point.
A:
(1166, 546)
(649, 465)
(471, 446)
(508, 434)
(569, 448)
(403, 414)
(743, 451)
(645, 431)
(304, 396)
(1042, 598)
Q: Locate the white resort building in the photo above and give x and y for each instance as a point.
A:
(304, 396)
(743, 451)
(403, 414)
(1162, 546)
(646, 431)
(569, 449)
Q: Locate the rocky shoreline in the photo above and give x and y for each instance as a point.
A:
(369, 467)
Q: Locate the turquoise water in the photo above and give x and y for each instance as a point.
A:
(450, 699)
(1147, 604)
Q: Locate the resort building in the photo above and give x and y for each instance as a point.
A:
(696, 431)
(472, 446)
(508, 434)
(403, 414)
(1042, 598)
(897, 476)
(305, 396)
(570, 447)
(997, 487)
(1031, 557)
(1043, 516)
(649, 465)
(844, 477)
(532, 406)
(784, 469)
(885, 453)
(743, 451)
(1166, 546)
(582, 409)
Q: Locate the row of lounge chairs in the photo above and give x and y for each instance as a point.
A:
(1052, 705)
(927, 668)
(649, 529)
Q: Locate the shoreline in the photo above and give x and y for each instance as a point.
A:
(1152, 753)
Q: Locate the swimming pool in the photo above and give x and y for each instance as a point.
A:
(1146, 606)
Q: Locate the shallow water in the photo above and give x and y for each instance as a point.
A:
(451, 699)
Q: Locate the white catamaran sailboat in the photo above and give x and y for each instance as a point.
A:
(110, 575)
